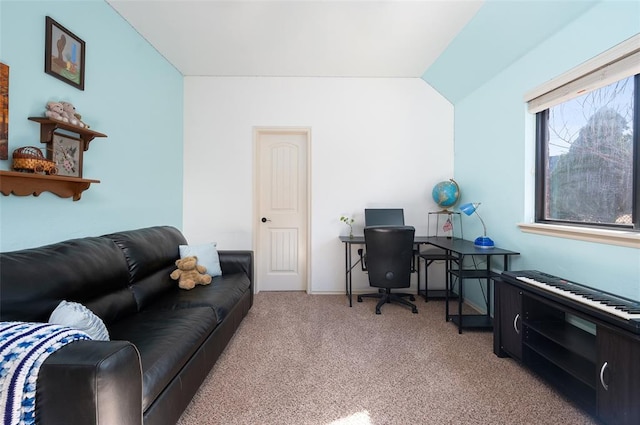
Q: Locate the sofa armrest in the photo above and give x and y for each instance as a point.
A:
(237, 262)
(91, 382)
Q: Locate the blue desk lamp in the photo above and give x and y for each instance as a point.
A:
(481, 241)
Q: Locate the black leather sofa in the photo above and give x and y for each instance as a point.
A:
(163, 340)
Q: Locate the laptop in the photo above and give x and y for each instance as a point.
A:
(384, 217)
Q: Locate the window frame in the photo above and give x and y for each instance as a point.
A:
(618, 62)
(542, 172)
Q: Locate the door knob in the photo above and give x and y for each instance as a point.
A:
(264, 219)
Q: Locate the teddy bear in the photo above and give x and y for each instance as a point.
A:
(55, 111)
(190, 273)
(69, 112)
(80, 122)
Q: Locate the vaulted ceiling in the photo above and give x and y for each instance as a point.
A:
(454, 45)
(299, 38)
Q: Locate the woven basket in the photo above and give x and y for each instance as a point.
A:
(30, 159)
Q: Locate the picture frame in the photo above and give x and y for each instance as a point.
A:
(64, 54)
(4, 111)
(66, 152)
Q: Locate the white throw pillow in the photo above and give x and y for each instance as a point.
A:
(207, 256)
(77, 316)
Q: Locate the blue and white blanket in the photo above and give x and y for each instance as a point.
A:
(23, 349)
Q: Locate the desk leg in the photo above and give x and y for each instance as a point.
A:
(348, 280)
(417, 258)
(488, 299)
(346, 269)
(448, 286)
(488, 280)
(460, 302)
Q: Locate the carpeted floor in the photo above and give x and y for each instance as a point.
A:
(311, 360)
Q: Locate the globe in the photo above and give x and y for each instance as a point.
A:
(446, 193)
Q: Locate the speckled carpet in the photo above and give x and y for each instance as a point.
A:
(311, 360)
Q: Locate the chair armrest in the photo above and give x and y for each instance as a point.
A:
(91, 383)
(363, 259)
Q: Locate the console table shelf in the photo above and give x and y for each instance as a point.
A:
(566, 335)
(48, 126)
(26, 184)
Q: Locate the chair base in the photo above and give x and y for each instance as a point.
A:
(387, 296)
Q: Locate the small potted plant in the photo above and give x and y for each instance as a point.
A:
(349, 222)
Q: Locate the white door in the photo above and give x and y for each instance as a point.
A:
(282, 204)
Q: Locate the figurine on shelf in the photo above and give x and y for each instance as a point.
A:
(29, 159)
(81, 123)
(69, 112)
(55, 111)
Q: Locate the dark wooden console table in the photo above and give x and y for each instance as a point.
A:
(588, 359)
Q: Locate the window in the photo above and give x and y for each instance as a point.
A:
(586, 158)
(587, 145)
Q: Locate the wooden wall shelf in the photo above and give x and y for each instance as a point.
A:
(48, 126)
(25, 184)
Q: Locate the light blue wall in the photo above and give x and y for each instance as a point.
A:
(132, 94)
(499, 34)
(494, 152)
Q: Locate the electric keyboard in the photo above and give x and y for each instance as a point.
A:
(612, 308)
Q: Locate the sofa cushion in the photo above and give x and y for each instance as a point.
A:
(148, 250)
(89, 271)
(166, 340)
(222, 294)
(153, 286)
(150, 255)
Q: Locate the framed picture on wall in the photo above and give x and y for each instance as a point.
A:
(64, 54)
(4, 111)
(66, 152)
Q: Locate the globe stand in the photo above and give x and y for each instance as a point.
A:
(445, 214)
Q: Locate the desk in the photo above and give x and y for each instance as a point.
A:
(458, 249)
(348, 263)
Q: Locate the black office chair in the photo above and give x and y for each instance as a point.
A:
(389, 256)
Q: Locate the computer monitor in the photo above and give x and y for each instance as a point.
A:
(384, 217)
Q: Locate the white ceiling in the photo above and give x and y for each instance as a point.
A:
(299, 38)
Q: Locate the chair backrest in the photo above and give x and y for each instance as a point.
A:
(384, 217)
(389, 255)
